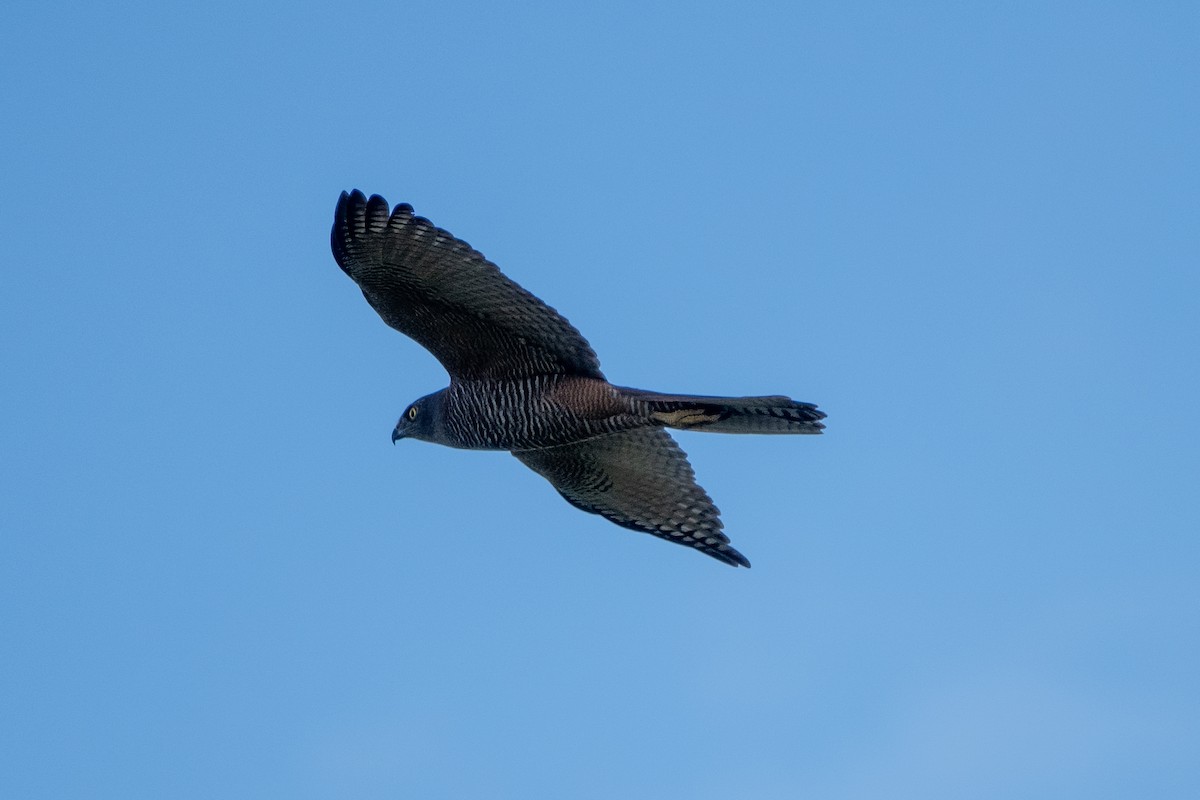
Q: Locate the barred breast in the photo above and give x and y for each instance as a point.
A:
(533, 413)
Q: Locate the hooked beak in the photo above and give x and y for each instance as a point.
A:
(396, 435)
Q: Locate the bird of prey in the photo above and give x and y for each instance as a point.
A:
(523, 379)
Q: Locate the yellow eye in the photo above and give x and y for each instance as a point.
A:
(412, 412)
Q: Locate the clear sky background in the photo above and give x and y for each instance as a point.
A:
(970, 233)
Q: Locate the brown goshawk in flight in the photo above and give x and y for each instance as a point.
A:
(523, 379)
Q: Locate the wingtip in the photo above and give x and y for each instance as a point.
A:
(346, 202)
(728, 555)
(356, 199)
(353, 196)
(346, 225)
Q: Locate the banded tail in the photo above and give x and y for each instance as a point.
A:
(774, 414)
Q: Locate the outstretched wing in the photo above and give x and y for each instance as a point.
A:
(639, 479)
(449, 298)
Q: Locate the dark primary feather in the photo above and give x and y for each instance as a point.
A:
(639, 479)
(458, 305)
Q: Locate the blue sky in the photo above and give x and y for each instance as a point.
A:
(969, 233)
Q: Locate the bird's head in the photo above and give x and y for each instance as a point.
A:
(419, 420)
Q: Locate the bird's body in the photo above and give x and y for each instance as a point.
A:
(529, 413)
(523, 379)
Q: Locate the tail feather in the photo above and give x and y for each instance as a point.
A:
(773, 414)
